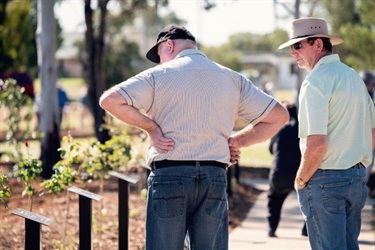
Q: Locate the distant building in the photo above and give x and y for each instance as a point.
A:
(67, 56)
(271, 67)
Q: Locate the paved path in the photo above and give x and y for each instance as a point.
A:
(252, 234)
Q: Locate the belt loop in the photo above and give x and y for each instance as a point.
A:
(197, 163)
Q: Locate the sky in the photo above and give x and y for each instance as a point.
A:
(211, 28)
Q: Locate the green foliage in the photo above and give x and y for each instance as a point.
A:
(100, 159)
(242, 44)
(18, 23)
(230, 58)
(5, 192)
(65, 172)
(29, 170)
(367, 11)
(340, 13)
(122, 61)
(143, 194)
(18, 111)
(359, 46)
(354, 22)
(17, 36)
(133, 213)
(249, 43)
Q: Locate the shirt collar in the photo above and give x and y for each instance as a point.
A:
(190, 52)
(327, 59)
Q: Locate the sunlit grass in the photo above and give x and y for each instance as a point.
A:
(75, 87)
(256, 156)
(286, 95)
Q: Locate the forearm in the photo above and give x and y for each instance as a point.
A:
(251, 135)
(263, 130)
(312, 156)
(117, 106)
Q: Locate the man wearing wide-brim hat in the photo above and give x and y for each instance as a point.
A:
(336, 131)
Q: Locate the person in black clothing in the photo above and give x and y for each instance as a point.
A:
(284, 147)
(369, 80)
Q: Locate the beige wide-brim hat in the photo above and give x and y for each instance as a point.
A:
(306, 27)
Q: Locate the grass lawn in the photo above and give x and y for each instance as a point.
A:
(256, 156)
(74, 87)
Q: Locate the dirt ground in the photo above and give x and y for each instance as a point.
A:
(105, 216)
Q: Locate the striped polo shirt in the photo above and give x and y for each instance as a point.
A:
(196, 102)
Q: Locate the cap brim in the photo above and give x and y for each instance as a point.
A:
(152, 54)
(334, 40)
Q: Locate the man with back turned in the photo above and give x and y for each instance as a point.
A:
(188, 106)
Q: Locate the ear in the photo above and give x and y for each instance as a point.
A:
(319, 43)
(170, 45)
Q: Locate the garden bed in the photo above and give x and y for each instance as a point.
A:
(105, 216)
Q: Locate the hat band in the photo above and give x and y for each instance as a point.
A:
(303, 36)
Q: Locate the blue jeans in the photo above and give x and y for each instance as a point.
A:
(332, 203)
(187, 202)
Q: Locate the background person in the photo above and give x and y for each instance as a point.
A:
(335, 142)
(284, 147)
(191, 105)
(369, 80)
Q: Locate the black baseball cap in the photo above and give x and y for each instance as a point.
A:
(170, 32)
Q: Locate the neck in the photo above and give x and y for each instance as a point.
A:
(319, 56)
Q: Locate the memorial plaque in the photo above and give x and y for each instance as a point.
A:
(123, 177)
(33, 216)
(85, 193)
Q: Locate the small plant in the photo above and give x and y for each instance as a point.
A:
(28, 170)
(18, 110)
(5, 192)
(65, 173)
(102, 158)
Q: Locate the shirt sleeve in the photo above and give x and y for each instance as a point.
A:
(138, 91)
(313, 113)
(254, 104)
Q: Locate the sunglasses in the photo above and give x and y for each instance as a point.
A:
(299, 45)
(296, 46)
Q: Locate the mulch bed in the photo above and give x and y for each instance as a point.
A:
(105, 215)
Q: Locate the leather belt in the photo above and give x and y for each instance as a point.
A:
(170, 163)
(358, 165)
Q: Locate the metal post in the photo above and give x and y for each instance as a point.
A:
(32, 235)
(123, 208)
(85, 222)
(85, 216)
(123, 214)
(33, 223)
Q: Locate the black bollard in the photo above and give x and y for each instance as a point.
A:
(123, 208)
(85, 216)
(33, 223)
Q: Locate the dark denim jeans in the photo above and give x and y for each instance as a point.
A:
(332, 203)
(187, 202)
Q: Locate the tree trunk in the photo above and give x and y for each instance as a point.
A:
(95, 49)
(49, 118)
(3, 55)
(299, 71)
